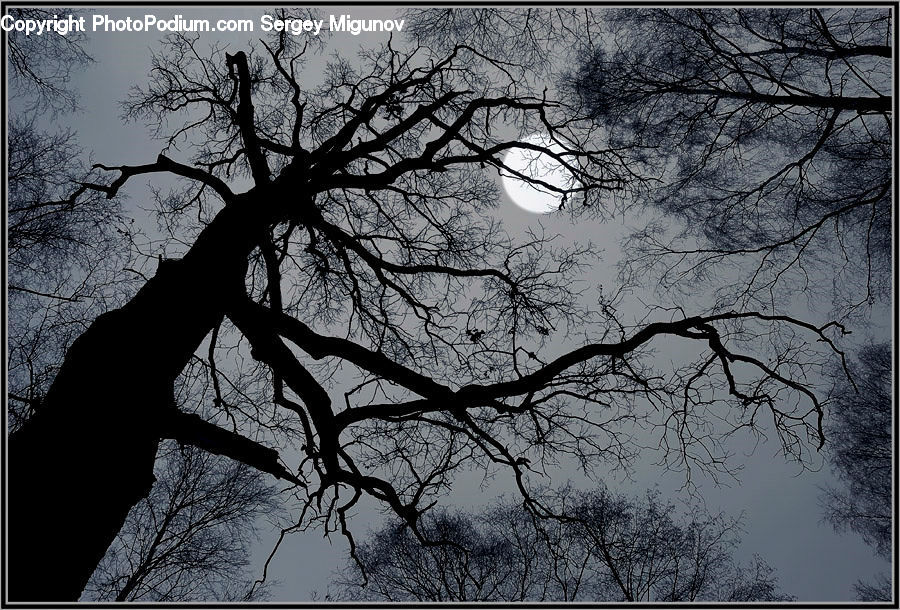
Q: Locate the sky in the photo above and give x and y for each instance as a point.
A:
(782, 519)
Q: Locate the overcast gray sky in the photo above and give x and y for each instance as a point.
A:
(782, 517)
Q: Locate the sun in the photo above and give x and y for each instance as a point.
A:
(540, 166)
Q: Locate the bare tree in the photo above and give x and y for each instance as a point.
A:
(64, 258)
(65, 255)
(518, 36)
(609, 548)
(770, 133)
(651, 553)
(362, 243)
(861, 454)
(62, 251)
(189, 539)
(41, 67)
(398, 567)
(879, 591)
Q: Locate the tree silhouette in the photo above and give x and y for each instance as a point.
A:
(348, 226)
(518, 36)
(62, 251)
(65, 254)
(609, 548)
(189, 539)
(860, 440)
(879, 591)
(770, 131)
(40, 67)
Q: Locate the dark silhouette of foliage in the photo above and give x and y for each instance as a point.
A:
(609, 548)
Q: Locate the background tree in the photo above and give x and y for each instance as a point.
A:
(880, 590)
(41, 67)
(861, 454)
(362, 241)
(609, 548)
(774, 131)
(770, 132)
(190, 538)
(521, 36)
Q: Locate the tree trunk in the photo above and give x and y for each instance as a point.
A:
(86, 457)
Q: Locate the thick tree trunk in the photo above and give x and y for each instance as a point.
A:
(86, 457)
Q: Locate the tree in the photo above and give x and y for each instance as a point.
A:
(189, 539)
(879, 591)
(362, 242)
(770, 132)
(519, 36)
(610, 548)
(861, 445)
(64, 258)
(65, 254)
(40, 67)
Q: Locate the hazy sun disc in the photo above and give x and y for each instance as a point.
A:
(540, 166)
